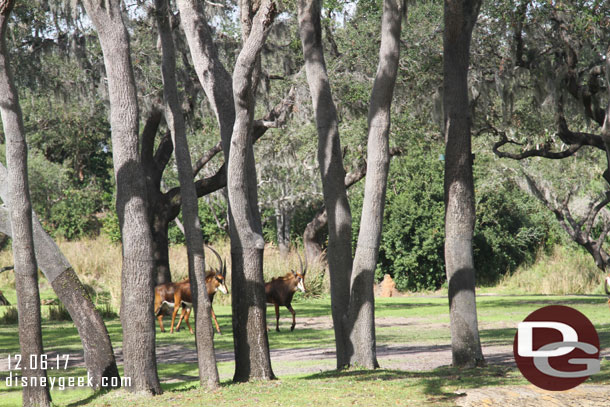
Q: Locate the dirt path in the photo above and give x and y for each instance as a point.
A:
(411, 357)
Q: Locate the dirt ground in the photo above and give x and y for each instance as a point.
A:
(408, 357)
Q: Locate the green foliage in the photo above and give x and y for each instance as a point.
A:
(413, 237)
(211, 211)
(10, 316)
(107, 312)
(511, 226)
(74, 217)
(59, 313)
(111, 227)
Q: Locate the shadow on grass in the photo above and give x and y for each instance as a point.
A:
(89, 399)
(433, 382)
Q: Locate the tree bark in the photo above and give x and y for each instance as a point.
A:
(214, 78)
(252, 360)
(283, 218)
(206, 359)
(460, 18)
(26, 269)
(97, 348)
(361, 312)
(333, 174)
(311, 237)
(137, 317)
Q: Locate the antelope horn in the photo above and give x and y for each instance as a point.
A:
(303, 271)
(217, 256)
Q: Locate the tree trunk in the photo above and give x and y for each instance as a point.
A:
(252, 360)
(311, 237)
(26, 269)
(214, 78)
(333, 174)
(204, 340)
(282, 222)
(99, 356)
(137, 317)
(361, 313)
(160, 230)
(460, 17)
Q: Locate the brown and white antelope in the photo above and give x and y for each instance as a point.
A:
(214, 281)
(165, 296)
(280, 290)
(164, 303)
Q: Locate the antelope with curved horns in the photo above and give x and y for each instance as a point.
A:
(280, 290)
(214, 281)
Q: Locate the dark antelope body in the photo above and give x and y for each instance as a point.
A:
(173, 296)
(280, 290)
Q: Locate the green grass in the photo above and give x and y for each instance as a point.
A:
(426, 320)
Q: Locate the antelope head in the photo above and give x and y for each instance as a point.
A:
(220, 272)
(300, 275)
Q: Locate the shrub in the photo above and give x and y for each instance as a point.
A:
(59, 313)
(10, 317)
(510, 226)
(107, 312)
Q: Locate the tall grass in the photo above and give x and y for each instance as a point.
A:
(97, 262)
(566, 270)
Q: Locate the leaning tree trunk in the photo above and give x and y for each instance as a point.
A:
(361, 312)
(26, 269)
(137, 316)
(333, 174)
(460, 18)
(252, 360)
(97, 348)
(208, 373)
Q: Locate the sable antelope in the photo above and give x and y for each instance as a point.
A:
(280, 290)
(214, 281)
(164, 303)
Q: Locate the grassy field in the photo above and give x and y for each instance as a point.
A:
(424, 321)
(407, 321)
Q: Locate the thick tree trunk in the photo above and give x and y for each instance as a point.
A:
(214, 78)
(160, 230)
(361, 313)
(460, 18)
(333, 174)
(252, 360)
(137, 316)
(311, 237)
(26, 269)
(208, 373)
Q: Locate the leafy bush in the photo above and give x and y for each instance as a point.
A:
(10, 317)
(59, 313)
(107, 312)
(510, 228)
(110, 226)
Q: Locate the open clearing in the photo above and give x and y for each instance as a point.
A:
(413, 350)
